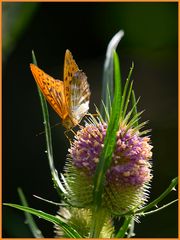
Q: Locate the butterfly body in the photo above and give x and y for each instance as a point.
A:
(69, 98)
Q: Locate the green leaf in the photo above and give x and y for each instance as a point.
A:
(57, 183)
(16, 18)
(29, 219)
(71, 232)
(109, 144)
(110, 139)
(108, 74)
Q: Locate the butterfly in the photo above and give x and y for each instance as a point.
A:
(69, 98)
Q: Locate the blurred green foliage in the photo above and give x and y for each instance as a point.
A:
(15, 19)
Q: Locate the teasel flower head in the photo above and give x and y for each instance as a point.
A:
(128, 177)
(126, 174)
(126, 183)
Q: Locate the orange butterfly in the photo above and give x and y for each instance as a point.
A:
(69, 98)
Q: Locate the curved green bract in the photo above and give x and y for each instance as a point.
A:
(154, 203)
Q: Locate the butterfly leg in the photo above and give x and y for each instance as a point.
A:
(68, 137)
(65, 133)
(80, 126)
(73, 131)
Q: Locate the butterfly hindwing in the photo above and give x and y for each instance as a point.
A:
(79, 96)
(52, 89)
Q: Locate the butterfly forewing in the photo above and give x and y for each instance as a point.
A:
(70, 68)
(52, 89)
(79, 96)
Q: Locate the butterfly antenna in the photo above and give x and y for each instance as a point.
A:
(43, 132)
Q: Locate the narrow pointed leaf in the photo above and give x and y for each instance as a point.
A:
(109, 143)
(55, 177)
(110, 139)
(71, 232)
(108, 73)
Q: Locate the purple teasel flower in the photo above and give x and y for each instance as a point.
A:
(130, 163)
(128, 177)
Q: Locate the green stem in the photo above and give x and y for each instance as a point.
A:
(122, 231)
(29, 219)
(131, 229)
(98, 220)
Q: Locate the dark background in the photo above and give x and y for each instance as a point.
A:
(85, 28)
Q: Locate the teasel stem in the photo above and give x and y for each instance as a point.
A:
(122, 231)
(99, 215)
